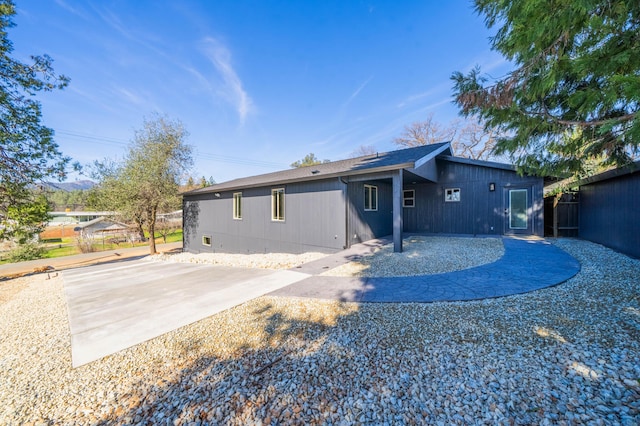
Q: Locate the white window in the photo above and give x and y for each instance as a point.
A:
(206, 240)
(409, 198)
(277, 205)
(237, 205)
(370, 198)
(452, 194)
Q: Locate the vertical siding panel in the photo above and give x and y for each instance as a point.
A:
(479, 210)
(316, 216)
(314, 220)
(365, 225)
(610, 213)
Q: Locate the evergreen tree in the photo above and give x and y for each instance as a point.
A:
(308, 160)
(28, 153)
(574, 94)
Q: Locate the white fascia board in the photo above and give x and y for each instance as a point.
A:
(424, 160)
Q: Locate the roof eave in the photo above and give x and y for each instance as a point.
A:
(479, 163)
(220, 188)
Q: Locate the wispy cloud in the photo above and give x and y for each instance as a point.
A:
(66, 6)
(413, 98)
(129, 97)
(435, 91)
(232, 89)
(131, 31)
(356, 93)
(378, 129)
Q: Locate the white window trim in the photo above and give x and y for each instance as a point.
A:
(449, 195)
(204, 238)
(237, 202)
(370, 188)
(412, 198)
(274, 191)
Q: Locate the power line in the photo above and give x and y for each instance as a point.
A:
(204, 155)
(93, 138)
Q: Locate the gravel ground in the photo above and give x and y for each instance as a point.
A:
(262, 261)
(423, 255)
(563, 355)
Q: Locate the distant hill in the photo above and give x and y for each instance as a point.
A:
(79, 185)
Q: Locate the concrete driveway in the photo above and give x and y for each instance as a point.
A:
(114, 306)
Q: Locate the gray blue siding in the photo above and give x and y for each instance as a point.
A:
(366, 225)
(479, 211)
(610, 213)
(328, 215)
(315, 220)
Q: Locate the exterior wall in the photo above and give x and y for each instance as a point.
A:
(366, 225)
(610, 213)
(315, 220)
(479, 210)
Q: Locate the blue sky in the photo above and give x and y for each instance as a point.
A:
(258, 84)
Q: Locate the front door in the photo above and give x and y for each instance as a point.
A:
(517, 211)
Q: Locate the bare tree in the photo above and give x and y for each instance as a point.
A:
(425, 132)
(469, 138)
(474, 140)
(362, 151)
(167, 227)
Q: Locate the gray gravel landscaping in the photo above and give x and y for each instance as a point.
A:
(423, 255)
(563, 355)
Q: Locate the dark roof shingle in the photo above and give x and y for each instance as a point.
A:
(370, 163)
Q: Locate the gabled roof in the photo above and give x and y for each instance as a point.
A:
(106, 220)
(381, 162)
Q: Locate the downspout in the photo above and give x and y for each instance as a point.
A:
(346, 212)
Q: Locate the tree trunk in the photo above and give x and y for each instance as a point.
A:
(152, 231)
(138, 222)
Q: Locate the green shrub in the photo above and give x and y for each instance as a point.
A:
(26, 251)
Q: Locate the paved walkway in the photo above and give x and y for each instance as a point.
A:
(527, 265)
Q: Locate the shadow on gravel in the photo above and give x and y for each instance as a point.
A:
(562, 355)
(285, 370)
(299, 362)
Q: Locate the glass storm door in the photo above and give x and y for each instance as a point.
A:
(518, 211)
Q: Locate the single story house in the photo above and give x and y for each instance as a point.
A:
(330, 206)
(104, 227)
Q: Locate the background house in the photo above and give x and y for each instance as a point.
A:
(106, 229)
(330, 206)
(64, 223)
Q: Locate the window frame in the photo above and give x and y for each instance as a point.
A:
(449, 195)
(205, 238)
(513, 218)
(277, 204)
(412, 198)
(370, 190)
(237, 206)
